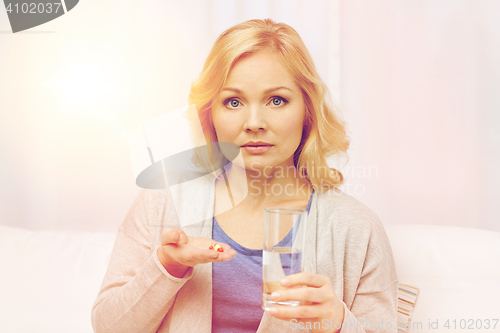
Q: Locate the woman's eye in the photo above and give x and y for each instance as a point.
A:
(233, 103)
(278, 101)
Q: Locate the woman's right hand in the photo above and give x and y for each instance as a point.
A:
(178, 252)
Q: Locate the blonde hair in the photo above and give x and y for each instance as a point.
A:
(324, 133)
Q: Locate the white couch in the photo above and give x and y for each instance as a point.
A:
(49, 279)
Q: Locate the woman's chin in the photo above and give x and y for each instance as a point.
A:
(260, 165)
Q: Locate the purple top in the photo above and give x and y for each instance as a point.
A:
(237, 287)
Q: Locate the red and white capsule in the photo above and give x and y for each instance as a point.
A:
(216, 247)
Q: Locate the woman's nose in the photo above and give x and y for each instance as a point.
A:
(255, 119)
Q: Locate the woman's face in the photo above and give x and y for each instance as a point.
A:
(260, 109)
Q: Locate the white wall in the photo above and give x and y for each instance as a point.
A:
(419, 87)
(416, 84)
(72, 90)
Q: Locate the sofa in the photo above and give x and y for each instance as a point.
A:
(49, 278)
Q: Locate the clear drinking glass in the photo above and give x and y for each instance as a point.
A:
(284, 240)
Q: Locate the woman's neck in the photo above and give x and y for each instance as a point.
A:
(270, 184)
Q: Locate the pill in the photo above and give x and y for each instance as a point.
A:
(218, 248)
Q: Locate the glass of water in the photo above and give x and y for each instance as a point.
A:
(284, 240)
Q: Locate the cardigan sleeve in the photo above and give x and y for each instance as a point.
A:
(353, 250)
(382, 317)
(137, 292)
(374, 305)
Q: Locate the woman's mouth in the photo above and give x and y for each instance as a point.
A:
(257, 147)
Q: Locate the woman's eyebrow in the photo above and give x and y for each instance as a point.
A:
(274, 89)
(270, 90)
(232, 89)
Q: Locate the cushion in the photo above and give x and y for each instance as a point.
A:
(457, 271)
(50, 279)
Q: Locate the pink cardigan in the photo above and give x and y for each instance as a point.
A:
(346, 242)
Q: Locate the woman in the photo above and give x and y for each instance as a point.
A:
(258, 90)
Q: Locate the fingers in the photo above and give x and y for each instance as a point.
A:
(305, 287)
(191, 251)
(315, 293)
(173, 236)
(191, 256)
(305, 279)
(228, 254)
(224, 246)
(305, 294)
(300, 311)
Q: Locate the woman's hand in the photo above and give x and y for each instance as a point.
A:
(319, 304)
(178, 252)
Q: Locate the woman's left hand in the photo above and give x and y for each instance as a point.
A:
(318, 303)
